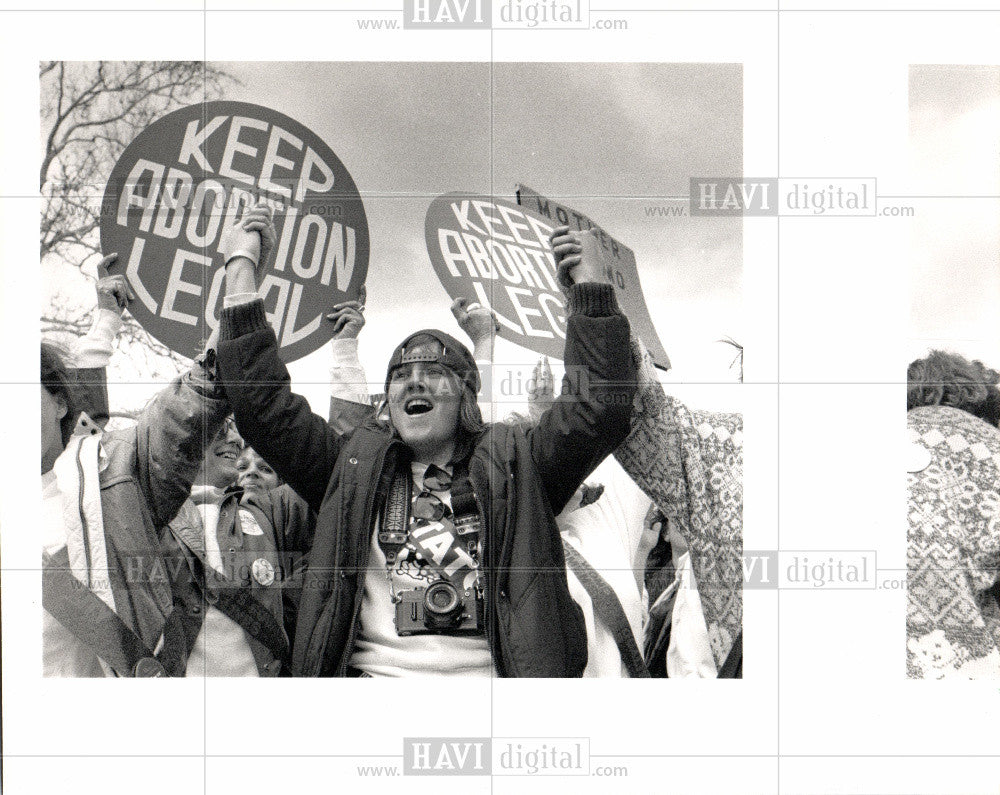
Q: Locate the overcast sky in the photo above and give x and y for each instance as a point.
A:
(611, 138)
(955, 151)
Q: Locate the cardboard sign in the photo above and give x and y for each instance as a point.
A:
(193, 172)
(624, 276)
(492, 251)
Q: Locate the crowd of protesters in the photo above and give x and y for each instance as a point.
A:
(953, 510)
(233, 532)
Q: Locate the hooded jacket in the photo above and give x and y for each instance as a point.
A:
(144, 480)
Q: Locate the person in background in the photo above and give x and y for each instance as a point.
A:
(226, 574)
(106, 498)
(689, 465)
(241, 579)
(254, 475)
(692, 463)
(948, 379)
(238, 544)
(953, 546)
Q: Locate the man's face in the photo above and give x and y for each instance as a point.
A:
(424, 399)
(53, 410)
(219, 466)
(255, 474)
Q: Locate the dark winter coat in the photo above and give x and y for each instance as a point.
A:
(521, 477)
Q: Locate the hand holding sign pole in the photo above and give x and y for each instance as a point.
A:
(479, 322)
(113, 292)
(348, 317)
(579, 258)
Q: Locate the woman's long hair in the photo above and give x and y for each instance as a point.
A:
(55, 377)
(947, 379)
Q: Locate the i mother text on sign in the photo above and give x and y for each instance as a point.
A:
(193, 172)
(498, 253)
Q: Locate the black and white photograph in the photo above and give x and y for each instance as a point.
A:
(504, 485)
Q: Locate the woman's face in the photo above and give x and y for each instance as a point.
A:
(424, 400)
(254, 474)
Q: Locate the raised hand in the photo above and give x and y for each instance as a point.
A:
(578, 257)
(542, 394)
(260, 220)
(237, 242)
(348, 317)
(478, 322)
(113, 292)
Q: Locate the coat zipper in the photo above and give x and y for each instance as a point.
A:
(363, 567)
(83, 515)
(493, 615)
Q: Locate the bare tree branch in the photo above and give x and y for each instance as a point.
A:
(90, 113)
(739, 354)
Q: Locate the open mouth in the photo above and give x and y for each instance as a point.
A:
(229, 453)
(416, 406)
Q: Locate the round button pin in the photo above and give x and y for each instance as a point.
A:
(263, 571)
(918, 457)
(149, 666)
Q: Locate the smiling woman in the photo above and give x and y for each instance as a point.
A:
(219, 467)
(255, 475)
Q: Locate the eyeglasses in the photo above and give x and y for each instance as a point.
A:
(228, 427)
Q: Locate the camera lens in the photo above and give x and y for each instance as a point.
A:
(442, 598)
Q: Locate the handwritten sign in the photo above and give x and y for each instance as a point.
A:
(624, 273)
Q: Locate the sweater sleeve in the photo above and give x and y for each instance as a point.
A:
(690, 463)
(272, 419)
(94, 348)
(590, 418)
(347, 376)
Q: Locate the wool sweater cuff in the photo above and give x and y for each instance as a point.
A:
(593, 299)
(242, 319)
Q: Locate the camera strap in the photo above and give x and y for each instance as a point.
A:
(396, 525)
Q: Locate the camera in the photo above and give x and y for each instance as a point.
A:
(439, 609)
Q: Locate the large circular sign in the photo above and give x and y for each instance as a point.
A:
(192, 173)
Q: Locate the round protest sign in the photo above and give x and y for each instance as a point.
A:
(188, 176)
(496, 253)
